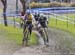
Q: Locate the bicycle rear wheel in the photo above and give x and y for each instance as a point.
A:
(25, 38)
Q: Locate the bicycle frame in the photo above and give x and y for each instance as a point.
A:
(45, 35)
(25, 38)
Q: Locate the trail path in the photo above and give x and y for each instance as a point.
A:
(61, 43)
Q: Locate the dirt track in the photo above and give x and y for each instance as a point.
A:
(61, 43)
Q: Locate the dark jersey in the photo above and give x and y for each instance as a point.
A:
(36, 17)
(42, 21)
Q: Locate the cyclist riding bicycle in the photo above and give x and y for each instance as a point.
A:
(42, 28)
(29, 20)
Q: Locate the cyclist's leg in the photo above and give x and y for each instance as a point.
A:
(29, 24)
(45, 37)
(39, 28)
(40, 31)
(46, 32)
(30, 28)
(24, 29)
(25, 25)
(42, 27)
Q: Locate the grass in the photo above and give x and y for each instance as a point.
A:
(70, 15)
(62, 25)
(15, 34)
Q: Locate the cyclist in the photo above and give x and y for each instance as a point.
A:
(21, 18)
(29, 20)
(42, 23)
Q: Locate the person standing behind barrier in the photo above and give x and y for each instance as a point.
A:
(22, 19)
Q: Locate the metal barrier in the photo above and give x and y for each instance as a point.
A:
(53, 14)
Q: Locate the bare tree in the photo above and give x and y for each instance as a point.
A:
(4, 2)
(23, 2)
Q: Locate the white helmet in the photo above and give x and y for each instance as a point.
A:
(41, 15)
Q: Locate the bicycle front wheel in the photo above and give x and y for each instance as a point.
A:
(45, 36)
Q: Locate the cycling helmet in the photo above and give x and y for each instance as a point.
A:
(41, 15)
(28, 12)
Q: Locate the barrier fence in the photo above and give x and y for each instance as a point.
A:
(53, 16)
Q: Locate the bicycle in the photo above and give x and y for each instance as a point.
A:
(44, 34)
(26, 35)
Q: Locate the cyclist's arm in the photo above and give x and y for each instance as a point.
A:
(47, 20)
(33, 21)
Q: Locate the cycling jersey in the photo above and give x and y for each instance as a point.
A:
(36, 17)
(28, 18)
(42, 21)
